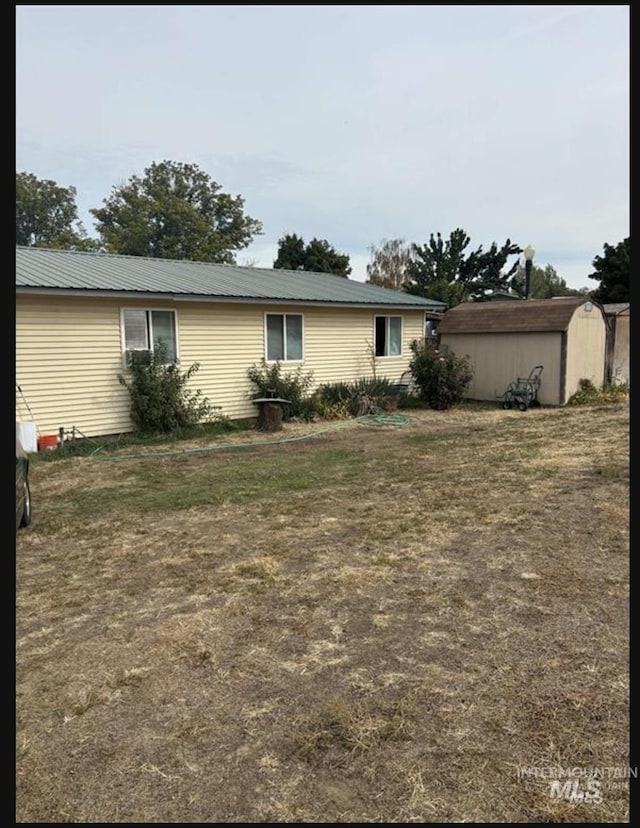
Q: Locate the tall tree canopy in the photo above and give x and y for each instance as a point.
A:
(389, 262)
(442, 270)
(613, 271)
(545, 283)
(175, 211)
(318, 255)
(47, 216)
(291, 253)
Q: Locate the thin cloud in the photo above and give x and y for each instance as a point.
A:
(350, 123)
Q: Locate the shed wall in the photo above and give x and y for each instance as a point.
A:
(500, 358)
(586, 341)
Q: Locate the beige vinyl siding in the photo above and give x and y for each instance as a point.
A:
(341, 348)
(498, 359)
(586, 336)
(69, 354)
(227, 339)
(224, 340)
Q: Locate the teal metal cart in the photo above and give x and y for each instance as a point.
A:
(523, 392)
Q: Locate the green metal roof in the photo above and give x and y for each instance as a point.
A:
(41, 270)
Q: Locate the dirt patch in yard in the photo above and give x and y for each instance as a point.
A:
(378, 624)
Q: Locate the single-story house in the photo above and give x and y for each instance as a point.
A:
(505, 340)
(78, 315)
(618, 315)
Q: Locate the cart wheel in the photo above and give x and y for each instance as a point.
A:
(507, 404)
(522, 406)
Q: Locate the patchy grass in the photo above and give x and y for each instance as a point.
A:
(178, 482)
(377, 624)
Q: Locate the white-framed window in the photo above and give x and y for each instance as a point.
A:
(283, 337)
(387, 336)
(144, 330)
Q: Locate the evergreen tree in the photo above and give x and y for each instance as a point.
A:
(318, 255)
(613, 272)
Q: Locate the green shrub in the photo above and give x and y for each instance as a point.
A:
(441, 379)
(160, 399)
(272, 381)
(338, 400)
(588, 394)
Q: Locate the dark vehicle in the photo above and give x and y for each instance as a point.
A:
(23, 493)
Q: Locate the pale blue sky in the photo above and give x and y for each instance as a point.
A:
(349, 123)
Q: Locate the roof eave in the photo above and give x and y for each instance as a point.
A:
(501, 331)
(249, 300)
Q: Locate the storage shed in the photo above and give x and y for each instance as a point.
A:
(505, 340)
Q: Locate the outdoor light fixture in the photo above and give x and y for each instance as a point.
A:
(529, 253)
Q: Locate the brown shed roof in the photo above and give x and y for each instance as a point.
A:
(527, 315)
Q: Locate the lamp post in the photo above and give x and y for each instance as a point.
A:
(529, 253)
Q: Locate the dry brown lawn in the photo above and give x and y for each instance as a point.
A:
(377, 624)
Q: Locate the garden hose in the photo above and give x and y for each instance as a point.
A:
(389, 419)
(397, 420)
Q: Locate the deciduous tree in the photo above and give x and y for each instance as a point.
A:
(545, 283)
(175, 211)
(47, 216)
(389, 263)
